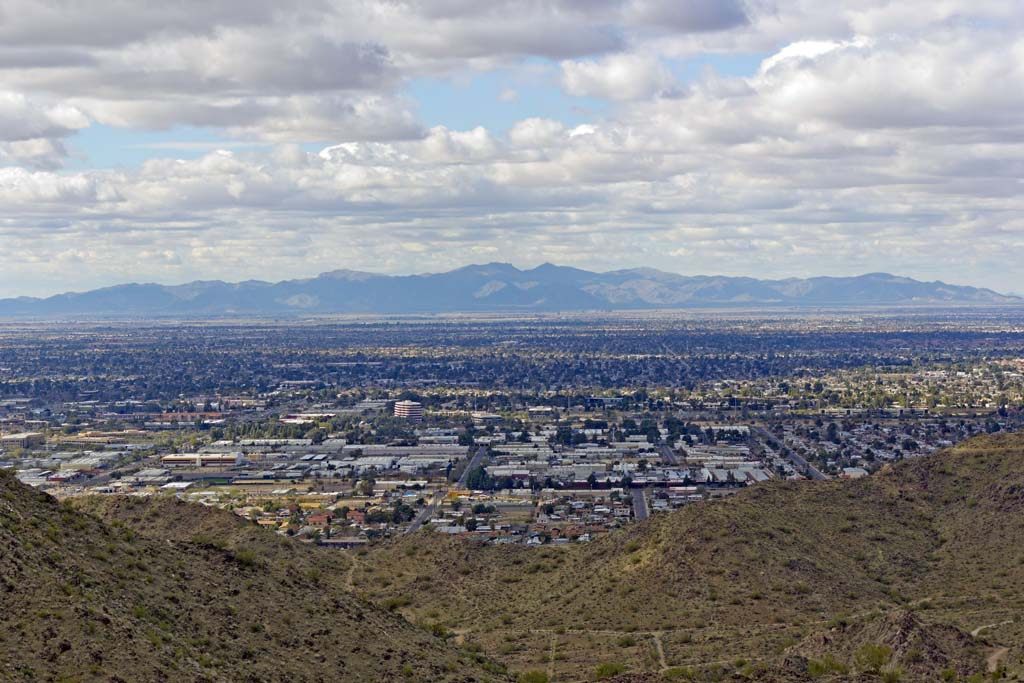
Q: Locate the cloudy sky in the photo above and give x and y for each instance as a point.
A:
(234, 139)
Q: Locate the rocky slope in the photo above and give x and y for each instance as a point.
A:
(83, 599)
(914, 574)
(781, 581)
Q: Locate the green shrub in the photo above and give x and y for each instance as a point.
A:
(245, 557)
(892, 675)
(440, 631)
(608, 669)
(532, 677)
(826, 665)
(395, 603)
(872, 658)
(207, 540)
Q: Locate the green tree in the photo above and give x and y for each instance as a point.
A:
(478, 479)
(366, 486)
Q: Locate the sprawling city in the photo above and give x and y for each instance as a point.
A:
(363, 438)
(513, 341)
(530, 430)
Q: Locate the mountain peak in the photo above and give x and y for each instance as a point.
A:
(497, 286)
(346, 274)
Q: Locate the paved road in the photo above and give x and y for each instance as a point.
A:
(668, 454)
(428, 510)
(640, 511)
(798, 462)
(426, 513)
(474, 462)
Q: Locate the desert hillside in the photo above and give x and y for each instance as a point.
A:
(802, 579)
(914, 574)
(217, 600)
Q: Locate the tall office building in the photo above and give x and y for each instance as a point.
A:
(410, 410)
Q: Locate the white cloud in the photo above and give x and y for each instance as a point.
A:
(881, 137)
(36, 153)
(806, 50)
(31, 131)
(211, 61)
(689, 17)
(22, 118)
(616, 77)
(536, 133)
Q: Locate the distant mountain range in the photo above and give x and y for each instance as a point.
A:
(496, 287)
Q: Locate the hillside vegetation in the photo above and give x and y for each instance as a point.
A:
(165, 591)
(883, 577)
(914, 574)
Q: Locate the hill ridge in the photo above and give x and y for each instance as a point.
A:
(914, 573)
(751, 577)
(497, 287)
(84, 599)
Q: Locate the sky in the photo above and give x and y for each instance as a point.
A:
(253, 139)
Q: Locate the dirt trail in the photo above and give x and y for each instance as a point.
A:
(350, 578)
(656, 636)
(986, 627)
(994, 659)
(551, 658)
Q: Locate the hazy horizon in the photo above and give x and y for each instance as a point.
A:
(271, 279)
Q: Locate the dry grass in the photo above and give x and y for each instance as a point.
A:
(165, 592)
(738, 583)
